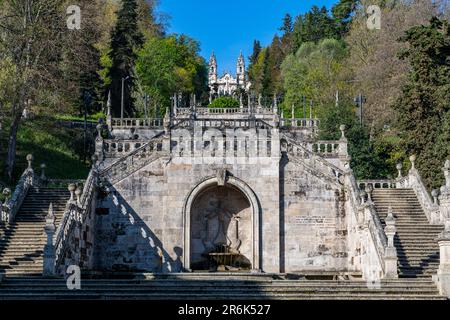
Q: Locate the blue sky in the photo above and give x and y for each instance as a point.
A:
(231, 25)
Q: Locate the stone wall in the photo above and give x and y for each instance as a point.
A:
(141, 223)
(314, 221)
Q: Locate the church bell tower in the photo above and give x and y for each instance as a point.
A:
(212, 77)
(240, 70)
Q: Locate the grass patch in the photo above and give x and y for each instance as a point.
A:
(59, 148)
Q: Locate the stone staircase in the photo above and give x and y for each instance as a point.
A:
(216, 286)
(416, 244)
(22, 242)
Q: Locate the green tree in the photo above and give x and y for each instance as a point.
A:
(170, 65)
(314, 72)
(423, 109)
(125, 41)
(224, 102)
(342, 13)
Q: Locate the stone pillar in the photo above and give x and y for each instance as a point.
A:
(49, 249)
(390, 254)
(30, 159)
(275, 104)
(443, 276)
(43, 178)
(175, 104)
(343, 148)
(259, 103)
(399, 169)
(444, 197)
(108, 112)
(72, 187)
(99, 143)
(78, 193)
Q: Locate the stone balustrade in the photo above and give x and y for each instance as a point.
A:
(12, 205)
(114, 148)
(377, 183)
(68, 235)
(300, 123)
(371, 244)
(136, 123)
(326, 149)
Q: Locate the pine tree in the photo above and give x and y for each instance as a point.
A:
(125, 40)
(256, 51)
(342, 13)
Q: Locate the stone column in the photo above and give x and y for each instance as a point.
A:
(108, 113)
(443, 275)
(49, 249)
(390, 254)
(444, 197)
(99, 143)
(343, 148)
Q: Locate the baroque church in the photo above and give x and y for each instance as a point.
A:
(227, 84)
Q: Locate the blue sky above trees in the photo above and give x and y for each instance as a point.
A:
(229, 26)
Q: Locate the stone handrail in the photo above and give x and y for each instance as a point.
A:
(300, 151)
(11, 207)
(414, 181)
(365, 215)
(74, 217)
(135, 160)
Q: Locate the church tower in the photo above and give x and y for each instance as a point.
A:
(212, 77)
(240, 70)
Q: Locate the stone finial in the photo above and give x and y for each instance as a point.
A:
(72, 187)
(362, 195)
(43, 167)
(390, 255)
(78, 193)
(94, 159)
(108, 105)
(30, 159)
(50, 218)
(399, 169)
(49, 249)
(435, 195)
(260, 100)
(369, 189)
(293, 112)
(413, 161)
(343, 128)
(99, 131)
(390, 215)
(446, 170)
(275, 104)
(6, 193)
(241, 101)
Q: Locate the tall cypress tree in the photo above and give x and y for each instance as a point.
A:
(424, 106)
(125, 40)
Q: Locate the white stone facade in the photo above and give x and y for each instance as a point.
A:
(227, 84)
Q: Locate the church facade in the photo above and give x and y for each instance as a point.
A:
(227, 84)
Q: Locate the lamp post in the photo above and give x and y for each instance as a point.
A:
(359, 101)
(122, 100)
